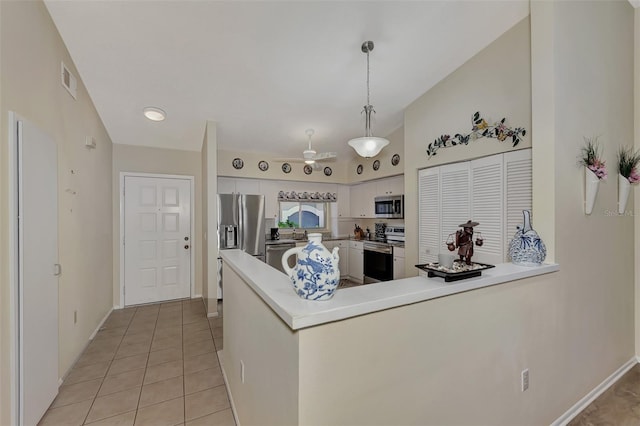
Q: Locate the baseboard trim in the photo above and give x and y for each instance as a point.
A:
(226, 386)
(596, 392)
(197, 296)
(213, 314)
(100, 324)
(64, 376)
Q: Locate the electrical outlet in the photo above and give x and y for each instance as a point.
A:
(524, 376)
(75, 317)
(242, 371)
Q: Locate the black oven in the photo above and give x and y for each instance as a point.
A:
(389, 207)
(378, 262)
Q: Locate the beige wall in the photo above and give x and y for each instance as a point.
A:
(636, 73)
(344, 170)
(485, 84)
(30, 54)
(130, 158)
(269, 350)
(210, 218)
(574, 328)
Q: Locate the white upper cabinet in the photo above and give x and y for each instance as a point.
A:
(391, 186)
(226, 185)
(270, 189)
(248, 186)
(344, 201)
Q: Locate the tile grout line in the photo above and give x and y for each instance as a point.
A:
(146, 366)
(108, 368)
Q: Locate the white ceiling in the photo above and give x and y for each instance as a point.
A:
(265, 71)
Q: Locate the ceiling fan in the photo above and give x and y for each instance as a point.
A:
(309, 155)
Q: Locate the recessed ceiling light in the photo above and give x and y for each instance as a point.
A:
(154, 114)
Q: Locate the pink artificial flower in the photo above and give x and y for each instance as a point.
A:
(598, 167)
(634, 177)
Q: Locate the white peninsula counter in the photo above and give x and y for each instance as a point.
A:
(358, 358)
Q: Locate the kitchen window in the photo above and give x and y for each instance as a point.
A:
(304, 214)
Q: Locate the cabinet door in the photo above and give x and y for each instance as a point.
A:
(344, 201)
(395, 185)
(518, 190)
(226, 185)
(356, 264)
(429, 215)
(455, 199)
(248, 186)
(370, 191)
(486, 184)
(398, 267)
(271, 205)
(344, 257)
(357, 200)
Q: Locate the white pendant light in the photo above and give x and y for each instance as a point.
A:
(368, 145)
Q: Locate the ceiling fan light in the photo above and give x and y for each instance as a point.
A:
(309, 161)
(368, 146)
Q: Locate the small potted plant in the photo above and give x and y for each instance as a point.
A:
(595, 170)
(627, 175)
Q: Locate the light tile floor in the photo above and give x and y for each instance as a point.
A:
(148, 365)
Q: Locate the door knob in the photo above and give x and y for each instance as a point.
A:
(186, 246)
(186, 238)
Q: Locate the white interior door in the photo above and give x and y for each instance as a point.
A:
(157, 239)
(37, 271)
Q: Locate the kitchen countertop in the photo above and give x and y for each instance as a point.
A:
(338, 238)
(274, 287)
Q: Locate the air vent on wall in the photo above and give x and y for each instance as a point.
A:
(68, 80)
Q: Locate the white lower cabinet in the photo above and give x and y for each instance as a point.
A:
(356, 261)
(398, 263)
(344, 257)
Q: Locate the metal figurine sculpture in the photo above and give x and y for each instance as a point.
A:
(463, 241)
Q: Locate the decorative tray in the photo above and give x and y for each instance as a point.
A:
(459, 270)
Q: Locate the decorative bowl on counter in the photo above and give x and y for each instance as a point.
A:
(459, 271)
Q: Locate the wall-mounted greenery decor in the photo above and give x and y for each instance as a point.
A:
(480, 129)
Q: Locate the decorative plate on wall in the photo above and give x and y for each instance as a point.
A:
(307, 169)
(263, 165)
(238, 163)
(376, 165)
(327, 171)
(359, 169)
(395, 160)
(286, 167)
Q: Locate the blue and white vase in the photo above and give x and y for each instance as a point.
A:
(316, 275)
(526, 248)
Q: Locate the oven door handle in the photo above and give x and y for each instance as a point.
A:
(384, 250)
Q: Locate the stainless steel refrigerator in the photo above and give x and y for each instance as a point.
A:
(241, 225)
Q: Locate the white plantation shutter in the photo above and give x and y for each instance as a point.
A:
(455, 200)
(518, 191)
(429, 215)
(487, 208)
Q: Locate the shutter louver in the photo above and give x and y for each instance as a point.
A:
(429, 216)
(487, 208)
(519, 193)
(454, 196)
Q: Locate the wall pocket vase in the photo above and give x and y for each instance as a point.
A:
(591, 183)
(624, 187)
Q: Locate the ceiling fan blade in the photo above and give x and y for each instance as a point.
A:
(289, 160)
(325, 155)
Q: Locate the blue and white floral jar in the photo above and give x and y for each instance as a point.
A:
(316, 275)
(527, 248)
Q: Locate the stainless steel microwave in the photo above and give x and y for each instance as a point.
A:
(389, 206)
